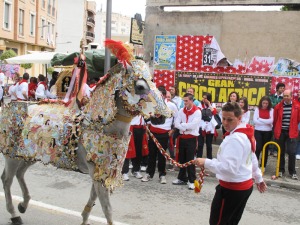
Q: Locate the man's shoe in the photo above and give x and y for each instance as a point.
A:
(125, 177)
(143, 168)
(191, 186)
(163, 180)
(298, 157)
(294, 177)
(137, 175)
(146, 178)
(178, 182)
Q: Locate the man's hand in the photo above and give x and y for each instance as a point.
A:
(262, 187)
(199, 162)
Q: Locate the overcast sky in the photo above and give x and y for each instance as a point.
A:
(131, 7)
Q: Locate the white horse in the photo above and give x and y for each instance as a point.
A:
(93, 139)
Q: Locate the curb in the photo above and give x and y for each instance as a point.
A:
(283, 184)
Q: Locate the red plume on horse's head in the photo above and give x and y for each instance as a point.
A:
(120, 50)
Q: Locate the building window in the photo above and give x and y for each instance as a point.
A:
(7, 15)
(32, 24)
(43, 29)
(53, 30)
(21, 22)
(44, 4)
(53, 8)
(49, 7)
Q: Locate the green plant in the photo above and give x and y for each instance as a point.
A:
(50, 70)
(290, 8)
(26, 66)
(8, 54)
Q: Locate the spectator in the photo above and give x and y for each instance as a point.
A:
(42, 89)
(137, 148)
(207, 127)
(298, 143)
(278, 95)
(32, 86)
(263, 123)
(12, 88)
(245, 109)
(2, 80)
(232, 97)
(287, 114)
(188, 123)
(54, 79)
(234, 167)
(22, 88)
(175, 98)
(162, 131)
(191, 91)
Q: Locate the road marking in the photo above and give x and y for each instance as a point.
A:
(61, 210)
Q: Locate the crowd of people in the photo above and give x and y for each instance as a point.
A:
(194, 124)
(26, 88)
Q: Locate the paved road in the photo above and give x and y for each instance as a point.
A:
(140, 203)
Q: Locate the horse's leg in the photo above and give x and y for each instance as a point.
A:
(88, 207)
(10, 170)
(103, 195)
(20, 176)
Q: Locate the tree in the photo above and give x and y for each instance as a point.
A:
(8, 54)
(26, 66)
(290, 8)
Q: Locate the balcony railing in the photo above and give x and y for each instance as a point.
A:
(90, 34)
(91, 20)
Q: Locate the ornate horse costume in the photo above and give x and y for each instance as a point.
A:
(92, 138)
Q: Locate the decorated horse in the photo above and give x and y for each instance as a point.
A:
(75, 134)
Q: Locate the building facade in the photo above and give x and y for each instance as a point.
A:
(28, 25)
(120, 27)
(76, 23)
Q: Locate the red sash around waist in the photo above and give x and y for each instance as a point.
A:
(237, 186)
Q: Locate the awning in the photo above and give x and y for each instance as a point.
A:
(35, 57)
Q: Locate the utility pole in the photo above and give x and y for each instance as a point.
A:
(108, 34)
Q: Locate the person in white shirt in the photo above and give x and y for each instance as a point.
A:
(188, 123)
(263, 122)
(235, 167)
(22, 88)
(2, 79)
(87, 90)
(245, 109)
(161, 128)
(175, 98)
(12, 88)
(42, 89)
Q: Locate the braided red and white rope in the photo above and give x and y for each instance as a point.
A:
(198, 183)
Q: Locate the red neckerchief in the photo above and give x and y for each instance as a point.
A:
(249, 131)
(22, 81)
(43, 83)
(190, 112)
(92, 85)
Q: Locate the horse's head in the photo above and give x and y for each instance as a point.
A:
(140, 93)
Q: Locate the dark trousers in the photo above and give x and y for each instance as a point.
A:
(187, 148)
(154, 153)
(208, 138)
(138, 134)
(262, 137)
(228, 206)
(287, 145)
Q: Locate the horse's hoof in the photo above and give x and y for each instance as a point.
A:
(21, 208)
(16, 220)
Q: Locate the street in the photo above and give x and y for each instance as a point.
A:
(59, 197)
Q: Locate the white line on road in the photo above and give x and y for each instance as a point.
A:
(61, 210)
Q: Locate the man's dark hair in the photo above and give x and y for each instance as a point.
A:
(265, 98)
(26, 76)
(279, 85)
(54, 75)
(41, 77)
(190, 96)
(232, 107)
(162, 89)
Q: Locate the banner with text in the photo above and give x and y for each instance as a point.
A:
(220, 85)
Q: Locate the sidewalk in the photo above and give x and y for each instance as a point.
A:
(285, 181)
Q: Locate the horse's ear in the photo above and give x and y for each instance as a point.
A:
(123, 52)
